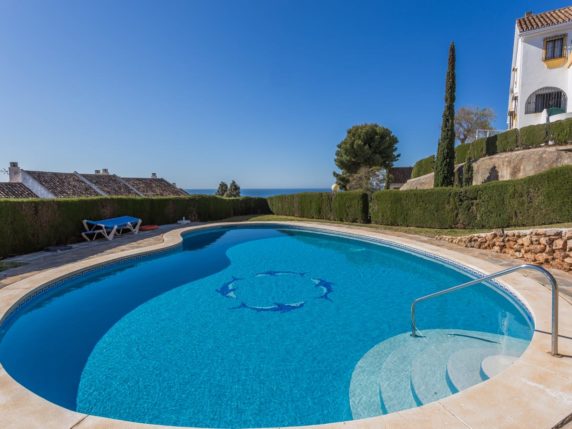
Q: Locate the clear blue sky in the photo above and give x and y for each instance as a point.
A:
(260, 91)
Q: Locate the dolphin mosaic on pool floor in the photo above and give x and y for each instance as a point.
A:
(230, 288)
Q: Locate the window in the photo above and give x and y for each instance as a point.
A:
(554, 47)
(546, 98)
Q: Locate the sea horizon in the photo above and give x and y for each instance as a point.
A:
(259, 192)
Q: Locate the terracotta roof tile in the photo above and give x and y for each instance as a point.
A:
(63, 185)
(154, 187)
(15, 190)
(110, 184)
(544, 19)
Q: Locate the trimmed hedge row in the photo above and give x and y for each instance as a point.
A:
(527, 137)
(350, 206)
(33, 224)
(507, 141)
(536, 200)
(532, 136)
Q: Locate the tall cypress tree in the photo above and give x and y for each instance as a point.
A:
(445, 160)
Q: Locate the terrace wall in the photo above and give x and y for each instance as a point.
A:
(533, 136)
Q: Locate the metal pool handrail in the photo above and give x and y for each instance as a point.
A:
(547, 274)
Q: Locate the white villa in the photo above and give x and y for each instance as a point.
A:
(541, 74)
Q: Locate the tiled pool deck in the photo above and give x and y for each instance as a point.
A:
(535, 392)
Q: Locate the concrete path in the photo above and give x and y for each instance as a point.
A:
(38, 261)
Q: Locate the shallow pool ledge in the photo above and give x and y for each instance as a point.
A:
(535, 392)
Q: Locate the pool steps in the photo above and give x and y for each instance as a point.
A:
(395, 375)
(429, 374)
(493, 365)
(405, 372)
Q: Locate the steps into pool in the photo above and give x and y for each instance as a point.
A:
(405, 372)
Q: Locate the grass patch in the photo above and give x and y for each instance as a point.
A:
(7, 265)
(426, 232)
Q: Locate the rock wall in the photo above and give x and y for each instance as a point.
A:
(421, 182)
(508, 166)
(519, 164)
(548, 247)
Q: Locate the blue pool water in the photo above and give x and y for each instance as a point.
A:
(255, 326)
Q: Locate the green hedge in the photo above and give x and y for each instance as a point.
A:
(507, 141)
(533, 136)
(478, 149)
(33, 224)
(462, 153)
(561, 131)
(350, 206)
(423, 166)
(536, 200)
(527, 137)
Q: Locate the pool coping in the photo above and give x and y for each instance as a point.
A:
(535, 392)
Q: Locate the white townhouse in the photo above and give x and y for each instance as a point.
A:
(541, 77)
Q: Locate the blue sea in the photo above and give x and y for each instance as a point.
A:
(261, 192)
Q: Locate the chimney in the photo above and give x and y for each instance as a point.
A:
(14, 173)
(153, 175)
(527, 14)
(97, 171)
(104, 171)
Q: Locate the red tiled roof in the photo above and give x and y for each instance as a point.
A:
(110, 184)
(63, 185)
(154, 187)
(15, 190)
(400, 174)
(544, 19)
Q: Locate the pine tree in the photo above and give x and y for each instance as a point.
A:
(222, 189)
(445, 160)
(366, 148)
(233, 190)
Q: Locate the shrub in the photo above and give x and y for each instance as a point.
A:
(414, 208)
(478, 149)
(507, 141)
(423, 166)
(536, 200)
(533, 136)
(528, 137)
(459, 176)
(468, 172)
(461, 153)
(349, 206)
(561, 131)
(491, 145)
(33, 224)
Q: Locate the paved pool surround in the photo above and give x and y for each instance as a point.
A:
(535, 392)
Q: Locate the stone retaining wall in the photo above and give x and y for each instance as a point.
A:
(507, 166)
(547, 247)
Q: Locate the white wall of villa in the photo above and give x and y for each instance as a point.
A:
(534, 72)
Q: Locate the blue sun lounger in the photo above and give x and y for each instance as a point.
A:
(110, 227)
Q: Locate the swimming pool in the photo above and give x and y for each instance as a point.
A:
(259, 326)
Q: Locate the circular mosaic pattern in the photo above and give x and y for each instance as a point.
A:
(232, 290)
